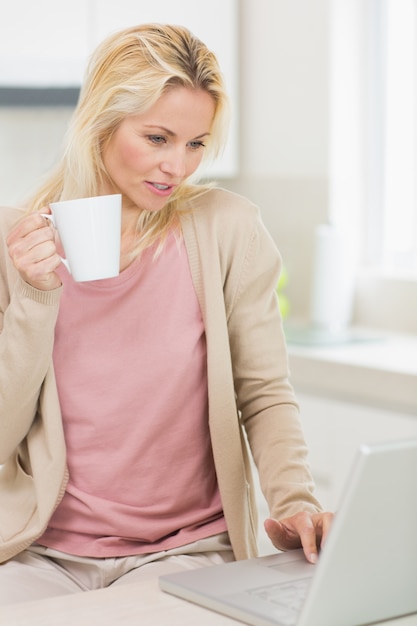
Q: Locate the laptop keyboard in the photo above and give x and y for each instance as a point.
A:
(286, 598)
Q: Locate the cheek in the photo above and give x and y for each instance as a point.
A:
(130, 153)
(194, 162)
(124, 152)
(127, 156)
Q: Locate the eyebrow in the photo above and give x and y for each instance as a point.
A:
(170, 132)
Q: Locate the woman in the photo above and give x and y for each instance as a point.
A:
(126, 403)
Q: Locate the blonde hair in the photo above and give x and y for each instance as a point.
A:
(126, 75)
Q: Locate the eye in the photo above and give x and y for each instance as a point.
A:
(196, 145)
(157, 139)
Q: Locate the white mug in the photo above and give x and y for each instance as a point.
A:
(89, 230)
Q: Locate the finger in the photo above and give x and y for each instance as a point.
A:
(324, 520)
(308, 536)
(46, 209)
(33, 246)
(277, 533)
(282, 534)
(33, 228)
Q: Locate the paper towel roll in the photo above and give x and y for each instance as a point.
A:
(332, 279)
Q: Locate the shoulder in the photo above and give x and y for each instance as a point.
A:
(218, 203)
(225, 224)
(226, 214)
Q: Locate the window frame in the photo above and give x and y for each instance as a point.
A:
(383, 299)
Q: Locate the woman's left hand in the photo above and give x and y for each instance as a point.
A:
(302, 530)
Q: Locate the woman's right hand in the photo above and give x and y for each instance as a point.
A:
(32, 249)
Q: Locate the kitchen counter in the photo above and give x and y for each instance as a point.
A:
(360, 365)
(127, 605)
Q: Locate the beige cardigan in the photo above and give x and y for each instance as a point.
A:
(235, 267)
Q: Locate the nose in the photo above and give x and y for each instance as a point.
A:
(175, 163)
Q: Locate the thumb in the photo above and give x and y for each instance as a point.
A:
(277, 533)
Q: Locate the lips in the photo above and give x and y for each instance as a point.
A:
(160, 189)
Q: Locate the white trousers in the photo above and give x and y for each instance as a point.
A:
(40, 572)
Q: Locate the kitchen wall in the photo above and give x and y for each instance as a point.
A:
(283, 130)
(284, 127)
(30, 142)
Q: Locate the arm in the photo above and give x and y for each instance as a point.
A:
(267, 403)
(27, 321)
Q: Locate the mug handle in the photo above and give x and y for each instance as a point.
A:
(51, 219)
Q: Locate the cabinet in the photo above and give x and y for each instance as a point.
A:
(334, 429)
(46, 44)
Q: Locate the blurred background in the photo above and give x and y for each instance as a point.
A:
(323, 128)
(323, 140)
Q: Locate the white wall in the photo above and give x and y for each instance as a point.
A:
(284, 47)
(30, 142)
(284, 126)
(283, 130)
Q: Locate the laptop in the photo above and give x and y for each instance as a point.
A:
(366, 572)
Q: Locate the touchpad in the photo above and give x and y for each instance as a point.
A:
(298, 568)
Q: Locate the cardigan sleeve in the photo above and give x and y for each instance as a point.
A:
(265, 397)
(27, 322)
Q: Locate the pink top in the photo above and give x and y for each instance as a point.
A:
(130, 362)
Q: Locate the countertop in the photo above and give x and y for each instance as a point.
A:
(362, 365)
(127, 605)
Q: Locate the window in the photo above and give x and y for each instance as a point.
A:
(393, 104)
(373, 152)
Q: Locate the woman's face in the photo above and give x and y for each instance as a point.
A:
(150, 154)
